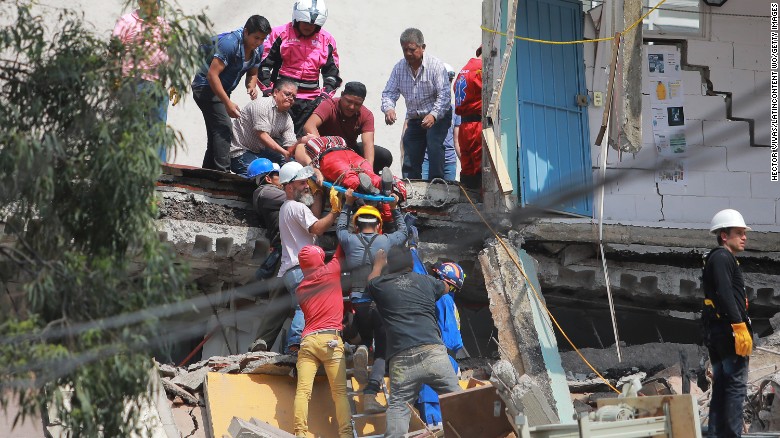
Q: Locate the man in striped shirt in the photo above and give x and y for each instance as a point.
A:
(424, 84)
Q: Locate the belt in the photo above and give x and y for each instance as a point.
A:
(326, 332)
(469, 119)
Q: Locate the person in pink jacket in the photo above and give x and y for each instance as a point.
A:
(139, 39)
(300, 51)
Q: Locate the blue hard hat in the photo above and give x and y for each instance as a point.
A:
(450, 273)
(261, 166)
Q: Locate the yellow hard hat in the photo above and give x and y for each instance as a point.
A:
(366, 210)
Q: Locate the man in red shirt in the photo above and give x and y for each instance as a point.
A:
(468, 105)
(346, 117)
(319, 296)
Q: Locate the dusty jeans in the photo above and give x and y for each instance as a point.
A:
(409, 369)
(315, 351)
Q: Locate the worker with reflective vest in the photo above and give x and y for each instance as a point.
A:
(300, 51)
(727, 331)
(360, 248)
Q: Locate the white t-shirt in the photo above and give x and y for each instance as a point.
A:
(294, 222)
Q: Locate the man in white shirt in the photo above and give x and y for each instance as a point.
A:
(298, 227)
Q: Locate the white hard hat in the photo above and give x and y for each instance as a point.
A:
(310, 11)
(726, 219)
(294, 171)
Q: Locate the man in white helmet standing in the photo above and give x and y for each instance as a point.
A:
(300, 51)
(727, 330)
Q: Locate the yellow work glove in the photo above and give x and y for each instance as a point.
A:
(313, 187)
(743, 343)
(173, 94)
(335, 201)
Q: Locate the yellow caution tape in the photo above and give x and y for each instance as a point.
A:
(595, 40)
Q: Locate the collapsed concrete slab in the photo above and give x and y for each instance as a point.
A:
(525, 334)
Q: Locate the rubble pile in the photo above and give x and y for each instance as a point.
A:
(184, 385)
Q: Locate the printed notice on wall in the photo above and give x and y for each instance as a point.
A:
(667, 99)
(670, 171)
(662, 61)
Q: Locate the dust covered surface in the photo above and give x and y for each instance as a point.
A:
(193, 210)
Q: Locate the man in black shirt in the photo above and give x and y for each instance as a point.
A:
(406, 301)
(727, 326)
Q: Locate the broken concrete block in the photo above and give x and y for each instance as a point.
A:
(193, 380)
(244, 429)
(276, 364)
(576, 253)
(269, 427)
(197, 365)
(232, 368)
(775, 322)
(176, 391)
(525, 333)
(167, 370)
(521, 395)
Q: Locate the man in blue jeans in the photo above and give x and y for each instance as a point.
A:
(423, 82)
(298, 226)
(229, 56)
(407, 302)
(728, 334)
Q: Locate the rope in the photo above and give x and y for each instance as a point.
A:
(595, 40)
(536, 293)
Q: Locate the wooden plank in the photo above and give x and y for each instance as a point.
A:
(474, 412)
(497, 161)
(682, 408)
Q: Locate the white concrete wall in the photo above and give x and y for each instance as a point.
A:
(367, 34)
(723, 171)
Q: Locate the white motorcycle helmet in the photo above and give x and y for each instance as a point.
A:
(310, 11)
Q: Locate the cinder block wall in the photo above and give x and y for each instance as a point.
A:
(723, 170)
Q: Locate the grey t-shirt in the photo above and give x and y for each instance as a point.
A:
(267, 200)
(407, 303)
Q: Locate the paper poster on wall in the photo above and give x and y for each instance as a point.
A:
(660, 118)
(667, 92)
(671, 142)
(675, 116)
(663, 61)
(670, 172)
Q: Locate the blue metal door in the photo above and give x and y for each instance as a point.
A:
(554, 155)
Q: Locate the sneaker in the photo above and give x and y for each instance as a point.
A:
(372, 387)
(366, 186)
(387, 181)
(360, 365)
(258, 345)
(371, 405)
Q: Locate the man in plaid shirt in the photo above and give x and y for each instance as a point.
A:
(424, 84)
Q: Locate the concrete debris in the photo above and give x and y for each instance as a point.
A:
(525, 335)
(521, 395)
(175, 390)
(766, 404)
(192, 381)
(187, 383)
(646, 357)
(254, 429)
(167, 370)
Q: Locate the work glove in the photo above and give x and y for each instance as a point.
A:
(313, 187)
(743, 342)
(173, 95)
(335, 201)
